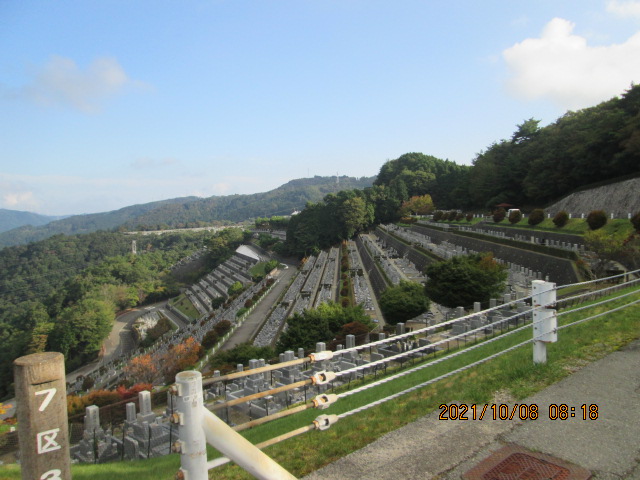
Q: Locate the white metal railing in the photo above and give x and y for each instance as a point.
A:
(199, 426)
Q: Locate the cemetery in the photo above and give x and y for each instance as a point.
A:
(376, 260)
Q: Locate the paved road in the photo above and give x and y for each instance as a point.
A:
(608, 447)
(256, 318)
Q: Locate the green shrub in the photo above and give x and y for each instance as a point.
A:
(451, 216)
(536, 217)
(210, 339)
(515, 216)
(459, 216)
(499, 215)
(88, 383)
(561, 218)
(222, 327)
(635, 220)
(469, 217)
(437, 216)
(597, 219)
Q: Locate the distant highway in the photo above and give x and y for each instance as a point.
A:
(160, 232)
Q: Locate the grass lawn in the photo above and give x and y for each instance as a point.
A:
(183, 304)
(513, 373)
(576, 226)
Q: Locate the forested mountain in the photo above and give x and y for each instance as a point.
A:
(192, 211)
(291, 196)
(10, 219)
(83, 223)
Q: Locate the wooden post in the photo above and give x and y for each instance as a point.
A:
(42, 416)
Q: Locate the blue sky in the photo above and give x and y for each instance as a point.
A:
(105, 104)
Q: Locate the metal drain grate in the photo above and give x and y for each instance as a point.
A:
(513, 462)
(520, 466)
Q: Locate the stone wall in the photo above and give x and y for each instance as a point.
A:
(619, 198)
(558, 270)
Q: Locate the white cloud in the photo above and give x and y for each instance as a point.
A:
(562, 67)
(60, 82)
(18, 200)
(624, 9)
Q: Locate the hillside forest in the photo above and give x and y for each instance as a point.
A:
(534, 167)
(62, 293)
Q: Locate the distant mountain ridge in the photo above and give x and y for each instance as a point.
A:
(187, 211)
(10, 219)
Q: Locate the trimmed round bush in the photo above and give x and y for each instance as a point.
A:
(469, 217)
(635, 220)
(499, 215)
(597, 219)
(561, 218)
(536, 217)
(210, 339)
(437, 216)
(515, 217)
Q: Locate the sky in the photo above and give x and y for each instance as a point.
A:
(105, 104)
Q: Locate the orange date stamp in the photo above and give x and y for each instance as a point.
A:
(517, 411)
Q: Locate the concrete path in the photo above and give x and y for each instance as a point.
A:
(252, 324)
(608, 447)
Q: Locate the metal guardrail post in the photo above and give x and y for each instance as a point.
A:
(545, 322)
(189, 408)
(42, 416)
(198, 426)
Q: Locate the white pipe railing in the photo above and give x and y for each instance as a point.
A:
(197, 429)
(199, 426)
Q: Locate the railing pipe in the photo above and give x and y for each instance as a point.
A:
(311, 358)
(233, 445)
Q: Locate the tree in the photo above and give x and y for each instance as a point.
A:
(403, 302)
(526, 131)
(465, 279)
(353, 215)
(241, 353)
(607, 248)
(181, 357)
(319, 325)
(142, 368)
(81, 328)
(235, 288)
(417, 205)
(210, 339)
